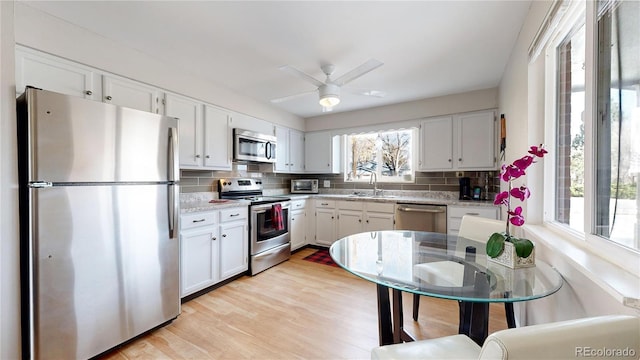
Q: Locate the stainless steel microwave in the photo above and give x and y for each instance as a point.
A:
(304, 186)
(252, 146)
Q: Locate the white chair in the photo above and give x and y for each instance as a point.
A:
(603, 337)
(473, 228)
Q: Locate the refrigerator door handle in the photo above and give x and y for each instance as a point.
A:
(173, 211)
(174, 166)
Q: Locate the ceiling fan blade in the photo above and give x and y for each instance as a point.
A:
(290, 97)
(293, 71)
(366, 92)
(369, 65)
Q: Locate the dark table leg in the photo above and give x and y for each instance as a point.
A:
(508, 310)
(390, 323)
(399, 333)
(385, 327)
(479, 326)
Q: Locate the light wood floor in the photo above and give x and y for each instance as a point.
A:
(296, 310)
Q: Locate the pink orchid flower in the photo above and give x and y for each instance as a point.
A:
(523, 162)
(501, 198)
(538, 151)
(516, 217)
(521, 193)
(512, 172)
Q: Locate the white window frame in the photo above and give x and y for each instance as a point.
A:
(613, 252)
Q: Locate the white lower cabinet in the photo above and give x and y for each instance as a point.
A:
(298, 224)
(199, 249)
(379, 217)
(359, 216)
(455, 214)
(325, 214)
(213, 247)
(344, 218)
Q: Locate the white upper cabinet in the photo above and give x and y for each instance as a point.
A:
(217, 135)
(131, 94)
(289, 150)
(54, 74)
(459, 142)
(322, 152)
(436, 141)
(189, 113)
(204, 133)
(477, 144)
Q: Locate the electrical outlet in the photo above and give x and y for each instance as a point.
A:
(327, 183)
(459, 173)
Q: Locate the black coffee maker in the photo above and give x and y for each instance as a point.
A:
(465, 188)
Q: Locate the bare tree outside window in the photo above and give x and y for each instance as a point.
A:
(392, 150)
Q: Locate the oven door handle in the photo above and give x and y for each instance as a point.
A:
(264, 207)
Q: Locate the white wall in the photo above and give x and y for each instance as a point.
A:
(443, 105)
(521, 98)
(41, 31)
(9, 253)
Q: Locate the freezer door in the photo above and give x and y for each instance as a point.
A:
(77, 140)
(103, 267)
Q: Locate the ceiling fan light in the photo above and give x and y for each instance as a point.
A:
(329, 95)
(329, 101)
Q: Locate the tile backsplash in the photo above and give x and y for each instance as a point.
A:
(274, 183)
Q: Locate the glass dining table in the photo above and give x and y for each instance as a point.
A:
(442, 266)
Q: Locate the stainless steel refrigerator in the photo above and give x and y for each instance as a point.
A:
(98, 223)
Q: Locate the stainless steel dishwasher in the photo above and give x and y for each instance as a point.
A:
(419, 217)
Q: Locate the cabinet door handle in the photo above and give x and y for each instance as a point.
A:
(367, 221)
(207, 156)
(89, 92)
(197, 156)
(360, 220)
(449, 160)
(197, 221)
(108, 97)
(214, 238)
(293, 219)
(459, 159)
(224, 235)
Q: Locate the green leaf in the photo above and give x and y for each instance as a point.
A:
(524, 247)
(495, 244)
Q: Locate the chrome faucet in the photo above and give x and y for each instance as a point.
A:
(373, 180)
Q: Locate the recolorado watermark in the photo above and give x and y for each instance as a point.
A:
(587, 351)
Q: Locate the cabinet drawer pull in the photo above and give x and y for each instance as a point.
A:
(89, 92)
(108, 97)
(197, 221)
(475, 214)
(324, 204)
(233, 215)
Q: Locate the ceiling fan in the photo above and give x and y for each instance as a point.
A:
(329, 90)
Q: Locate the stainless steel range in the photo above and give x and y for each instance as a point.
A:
(269, 239)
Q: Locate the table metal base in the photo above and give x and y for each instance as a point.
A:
(474, 316)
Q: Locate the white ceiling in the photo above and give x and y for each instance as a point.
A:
(429, 48)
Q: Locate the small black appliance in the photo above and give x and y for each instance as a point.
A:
(465, 188)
